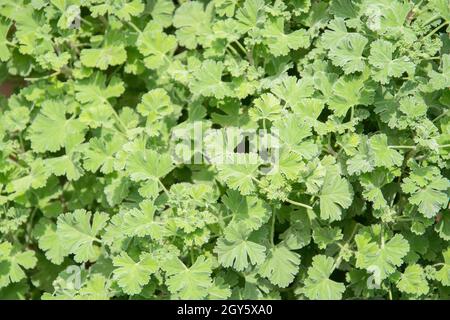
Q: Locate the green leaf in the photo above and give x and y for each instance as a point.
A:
(336, 194)
(189, 283)
(148, 165)
(250, 15)
(318, 285)
(372, 184)
(293, 90)
(248, 211)
(95, 90)
(324, 236)
(78, 231)
(443, 227)
(350, 91)
(381, 57)
(280, 266)
(192, 23)
(293, 132)
(441, 80)
(12, 219)
(35, 179)
(238, 249)
(13, 262)
(155, 104)
(428, 190)
(100, 153)
(67, 165)
(131, 275)
(266, 107)
(4, 51)
(281, 43)
(123, 9)
(382, 155)
(240, 176)
(413, 280)
(443, 275)
(157, 47)
(208, 80)
(49, 241)
(347, 53)
(382, 259)
(51, 130)
(162, 11)
(142, 222)
(112, 53)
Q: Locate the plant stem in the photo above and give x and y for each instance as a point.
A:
(440, 116)
(272, 229)
(43, 77)
(10, 44)
(164, 188)
(338, 260)
(132, 25)
(30, 225)
(390, 292)
(298, 204)
(431, 20)
(233, 50)
(435, 30)
(241, 47)
(119, 121)
(402, 147)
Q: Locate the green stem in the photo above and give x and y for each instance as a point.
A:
(43, 77)
(338, 260)
(402, 219)
(10, 44)
(435, 30)
(30, 225)
(440, 116)
(272, 229)
(402, 147)
(233, 50)
(115, 131)
(22, 145)
(116, 116)
(86, 21)
(132, 25)
(435, 17)
(414, 147)
(244, 51)
(298, 204)
(164, 189)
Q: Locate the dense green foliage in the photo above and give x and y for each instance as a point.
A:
(92, 206)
